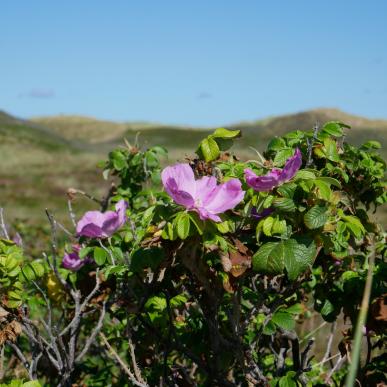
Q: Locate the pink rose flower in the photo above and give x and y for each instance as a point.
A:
(204, 195)
(276, 176)
(96, 224)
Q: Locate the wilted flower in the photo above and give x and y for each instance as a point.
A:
(204, 195)
(260, 215)
(72, 261)
(96, 224)
(276, 176)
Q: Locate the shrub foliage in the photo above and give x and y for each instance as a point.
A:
(174, 298)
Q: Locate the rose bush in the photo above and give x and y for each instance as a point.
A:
(205, 270)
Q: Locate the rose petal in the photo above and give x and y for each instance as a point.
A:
(179, 183)
(262, 183)
(205, 186)
(292, 165)
(225, 197)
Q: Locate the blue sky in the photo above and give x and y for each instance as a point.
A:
(192, 62)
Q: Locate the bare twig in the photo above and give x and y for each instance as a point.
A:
(122, 364)
(330, 342)
(71, 213)
(136, 369)
(311, 143)
(93, 335)
(336, 366)
(3, 227)
(19, 354)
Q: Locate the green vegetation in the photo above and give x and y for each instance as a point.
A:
(62, 151)
(206, 278)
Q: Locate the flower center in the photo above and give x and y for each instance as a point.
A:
(198, 202)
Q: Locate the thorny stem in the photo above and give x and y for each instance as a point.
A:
(122, 364)
(311, 143)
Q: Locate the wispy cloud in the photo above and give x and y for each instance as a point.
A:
(38, 93)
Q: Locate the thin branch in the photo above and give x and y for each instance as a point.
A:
(122, 364)
(19, 354)
(136, 369)
(93, 335)
(71, 213)
(330, 342)
(333, 370)
(2, 224)
(311, 143)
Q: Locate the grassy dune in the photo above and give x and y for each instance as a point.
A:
(41, 158)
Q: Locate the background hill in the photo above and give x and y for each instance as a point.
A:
(42, 157)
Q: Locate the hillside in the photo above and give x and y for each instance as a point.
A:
(42, 157)
(37, 165)
(256, 133)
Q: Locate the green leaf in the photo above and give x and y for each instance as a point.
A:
(267, 225)
(288, 380)
(209, 149)
(355, 225)
(32, 383)
(14, 303)
(159, 150)
(100, 255)
(276, 144)
(178, 300)
(225, 133)
(323, 189)
(269, 258)
(269, 329)
(295, 309)
(183, 225)
(32, 271)
(287, 190)
(284, 320)
(327, 308)
(224, 143)
(284, 204)
(304, 174)
(223, 227)
(334, 128)
(330, 181)
(84, 251)
(268, 201)
(279, 226)
(331, 150)
(371, 145)
(274, 257)
(156, 303)
(316, 217)
(299, 257)
(282, 155)
(199, 224)
(14, 295)
(119, 160)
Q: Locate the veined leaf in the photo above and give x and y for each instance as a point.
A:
(183, 225)
(100, 255)
(209, 149)
(284, 204)
(226, 133)
(294, 256)
(316, 217)
(330, 148)
(324, 191)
